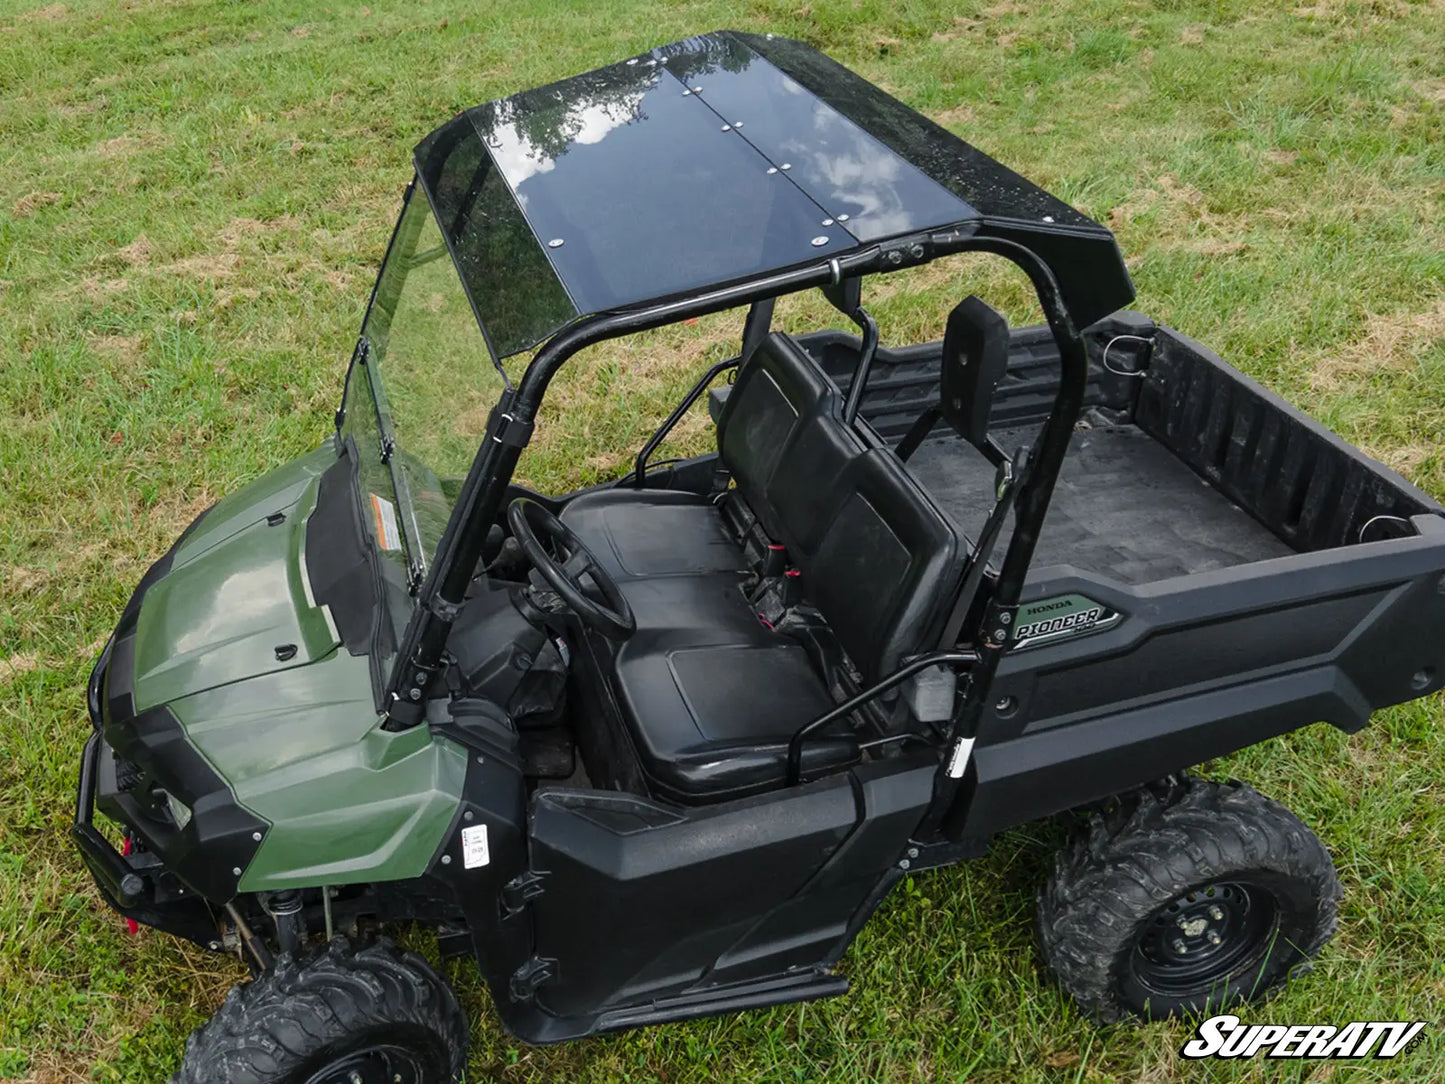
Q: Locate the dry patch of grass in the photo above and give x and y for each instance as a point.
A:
(29, 204)
(16, 665)
(213, 267)
(1390, 341)
(48, 14)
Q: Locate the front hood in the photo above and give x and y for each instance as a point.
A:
(236, 600)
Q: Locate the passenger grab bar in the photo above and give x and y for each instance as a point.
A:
(678, 411)
(878, 688)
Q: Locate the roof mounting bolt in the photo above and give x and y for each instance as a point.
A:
(842, 218)
(827, 221)
(727, 127)
(256, 836)
(556, 242)
(686, 93)
(786, 165)
(1048, 218)
(235, 871)
(737, 124)
(774, 169)
(819, 242)
(697, 90)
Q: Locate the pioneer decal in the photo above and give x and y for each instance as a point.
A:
(1057, 618)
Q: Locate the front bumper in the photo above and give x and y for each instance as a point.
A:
(136, 885)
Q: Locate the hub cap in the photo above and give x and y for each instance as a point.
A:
(1203, 936)
(371, 1065)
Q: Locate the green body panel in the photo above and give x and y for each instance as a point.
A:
(298, 739)
(236, 591)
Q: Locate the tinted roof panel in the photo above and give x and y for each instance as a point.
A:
(637, 192)
(842, 167)
(626, 185)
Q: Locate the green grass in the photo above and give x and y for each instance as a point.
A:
(196, 195)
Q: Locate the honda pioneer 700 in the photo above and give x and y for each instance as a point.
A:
(657, 749)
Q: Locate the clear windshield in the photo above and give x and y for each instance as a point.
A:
(417, 403)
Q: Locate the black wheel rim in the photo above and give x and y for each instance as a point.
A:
(1205, 936)
(381, 1064)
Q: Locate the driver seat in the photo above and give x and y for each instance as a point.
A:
(709, 694)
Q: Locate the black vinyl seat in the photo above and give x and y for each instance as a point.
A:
(710, 694)
(644, 533)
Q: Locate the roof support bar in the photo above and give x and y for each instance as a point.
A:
(958, 780)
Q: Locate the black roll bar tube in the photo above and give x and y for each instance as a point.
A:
(866, 352)
(878, 688)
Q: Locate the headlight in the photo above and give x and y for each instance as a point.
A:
(180, 812)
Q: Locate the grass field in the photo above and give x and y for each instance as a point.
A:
(195, 196)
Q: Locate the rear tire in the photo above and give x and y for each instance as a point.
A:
(1201, 898)
(374, 1014)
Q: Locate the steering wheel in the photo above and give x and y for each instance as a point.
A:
(562, 560)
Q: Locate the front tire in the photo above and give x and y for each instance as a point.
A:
(374, 1015)
(1194, 900)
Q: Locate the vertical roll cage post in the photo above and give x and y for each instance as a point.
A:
(954, 786)
(510, 428)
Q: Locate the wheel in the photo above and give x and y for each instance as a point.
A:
(1206, 896)
(343, 1016)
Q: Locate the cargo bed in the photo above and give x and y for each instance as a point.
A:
(1180, 465)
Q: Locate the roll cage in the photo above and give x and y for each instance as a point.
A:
(1072, 263)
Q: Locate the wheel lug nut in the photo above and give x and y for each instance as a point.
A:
(1216, 914)
(1213, 937)
(1180, 947)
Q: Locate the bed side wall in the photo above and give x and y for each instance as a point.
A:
(1309, 487)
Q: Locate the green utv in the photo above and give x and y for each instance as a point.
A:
(657, 749)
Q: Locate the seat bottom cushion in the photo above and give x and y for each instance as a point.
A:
(718, 717)
(642, 533)
(709, 694)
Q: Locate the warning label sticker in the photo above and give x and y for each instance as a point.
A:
(475, 851)
(383, 514)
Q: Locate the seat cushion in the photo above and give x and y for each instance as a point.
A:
(641, 533)
(718, 717)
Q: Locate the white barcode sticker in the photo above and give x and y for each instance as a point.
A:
(475, 851)
(383, 514)
(958, 761)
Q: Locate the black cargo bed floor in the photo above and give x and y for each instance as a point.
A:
(1124, 506)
